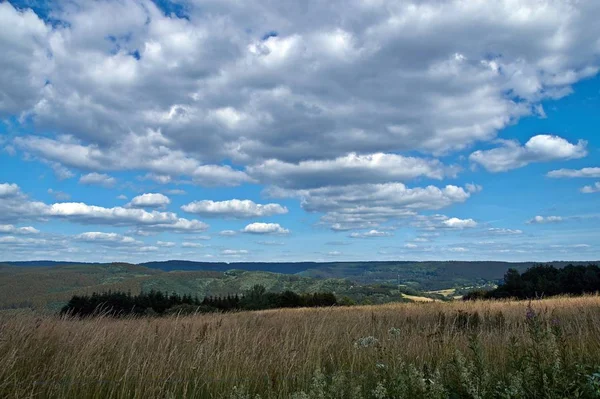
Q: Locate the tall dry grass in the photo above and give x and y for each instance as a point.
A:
(274, 353)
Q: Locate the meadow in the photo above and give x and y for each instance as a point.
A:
(478, 349)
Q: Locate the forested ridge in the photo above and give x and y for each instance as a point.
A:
(544, 281)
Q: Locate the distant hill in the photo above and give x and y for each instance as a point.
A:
(423, 276)
(284, 268)
(49, 288)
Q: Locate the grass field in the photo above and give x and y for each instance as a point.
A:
(425, 350)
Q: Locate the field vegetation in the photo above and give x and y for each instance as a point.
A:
(473, 349)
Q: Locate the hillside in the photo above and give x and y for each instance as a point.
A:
(48, 288)
(423, 276)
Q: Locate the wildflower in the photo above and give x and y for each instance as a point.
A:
(380, 366)
(394, 332)
(530, 315)
(366, 342)
(380, 392)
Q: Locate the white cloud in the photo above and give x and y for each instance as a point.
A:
(458, 249)
(349, 169)
(149, 200)
(371, 234)
(473, 188)
(22, 242)
(24, 62)
(235, 208)
(120, 85)
(192, 245)
(147, 248)
(18, 207)
(591, 189)
(234, 252)
(546, 220)
(265, 228)
(165, 244)
(585, 172)
(369, 205)
(61, 172)
(11, 229)
(456, 223)
(502, 231)
(106, 238)
(541, 148)
(228, 233)
(332, 76)
(8, 190)
(98, 178)
(137, 151)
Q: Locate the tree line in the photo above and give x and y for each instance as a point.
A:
(544, 281)
(119, 304)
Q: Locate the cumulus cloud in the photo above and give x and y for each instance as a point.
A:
(96, 237)
(18, 207)
(440, 222)
(541, 148)
(591, 189)
(149, 200)
(458, 249)
(349, 169)
(333, 77)
(320, 112)
(25, 61)
(146, 150)
(456, 223)
(368, 205)
(265, 228)
(11, 241)
(165, 244)
(235, 208)
(585, 172)
(234, 252)
(8, 190)
(371, 234)
(11, 229)
(187, 244)
(545, 220)
(504, 232)
(98, 178)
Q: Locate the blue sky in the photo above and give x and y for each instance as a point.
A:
(139, 130)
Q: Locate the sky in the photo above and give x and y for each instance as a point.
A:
(299, 131)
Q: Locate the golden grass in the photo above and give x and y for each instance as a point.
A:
(267, 351)
(418, 298)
